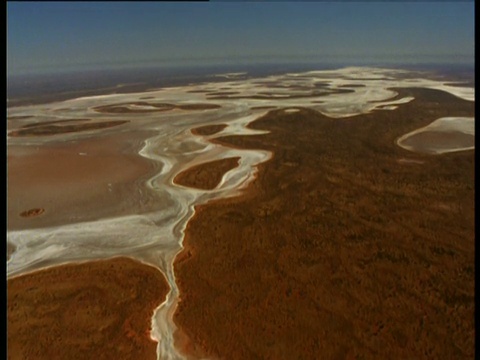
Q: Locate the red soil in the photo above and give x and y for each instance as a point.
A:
(336, 250)
(208, 129)
(92, 310)
(206, 176)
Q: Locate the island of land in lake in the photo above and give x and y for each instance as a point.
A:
(299, 215)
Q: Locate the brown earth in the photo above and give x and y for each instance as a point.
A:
(122, 108)
(21, 117)
(337, 250)
(352, 85)
(45, 130)
(271, 95)
(45, 96)
(69, 179)
(282, 85)
(208, 129)
(198, 91)
(32, 212)
(92, 310)
(198, 106)
(206, 176)
(50, 122)
(216, 93)
(262, 107)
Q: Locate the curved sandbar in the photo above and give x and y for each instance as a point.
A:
(146, 107)
(48, 130)
(92, 310)
(208, 129)
(444, 135)
(262, 107)
(207, 175)
(64, 121)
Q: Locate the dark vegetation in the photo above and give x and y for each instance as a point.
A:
(338, 250)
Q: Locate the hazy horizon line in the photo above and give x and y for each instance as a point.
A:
(328, 59)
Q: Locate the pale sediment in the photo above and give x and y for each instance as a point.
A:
(10, 249)
(438, 142)
(444, 135)
(76, 181)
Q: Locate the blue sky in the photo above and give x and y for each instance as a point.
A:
(56, 35)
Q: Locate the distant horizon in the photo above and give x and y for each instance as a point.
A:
(52, 37)
(333, 61)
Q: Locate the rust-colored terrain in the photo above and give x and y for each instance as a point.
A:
(206, 176)
(146, 107)
(69, 179)
(32, 212)
(59, 127)
(208, 129)
(346, 246)
(92, 310)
